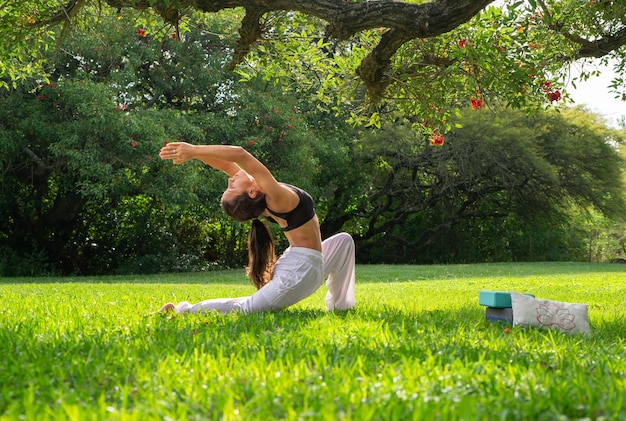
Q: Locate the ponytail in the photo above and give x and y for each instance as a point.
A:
(261, 257)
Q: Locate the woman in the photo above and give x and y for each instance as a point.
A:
(254, 192)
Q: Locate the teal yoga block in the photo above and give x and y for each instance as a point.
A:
(495, 299)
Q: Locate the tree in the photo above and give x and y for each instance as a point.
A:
(502, 188)
(82, 192)
(82, 188)
(424, 55)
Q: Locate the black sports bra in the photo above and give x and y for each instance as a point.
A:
(301, 214)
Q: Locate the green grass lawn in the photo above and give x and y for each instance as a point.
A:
(416, 347)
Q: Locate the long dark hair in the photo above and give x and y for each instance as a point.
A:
(261, 255)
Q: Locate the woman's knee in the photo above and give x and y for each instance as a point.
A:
(342, 238)
(346, 240)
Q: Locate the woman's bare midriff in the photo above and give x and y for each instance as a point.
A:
(308, 235)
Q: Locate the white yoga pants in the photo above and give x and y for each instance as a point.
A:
(298, 273)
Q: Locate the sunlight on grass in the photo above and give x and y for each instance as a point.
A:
(416, 347)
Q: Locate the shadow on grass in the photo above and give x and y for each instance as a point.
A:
(299, 332)
(105, 361)
(384, 334)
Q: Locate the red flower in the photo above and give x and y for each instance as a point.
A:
(436, 140)
(289, 126)
(134, 143)
(555, 96)
(250, 142)
(52, 85)
(142, 33)
(462, 43)
(477, 103)
(547, 86)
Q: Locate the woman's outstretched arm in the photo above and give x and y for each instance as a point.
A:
(180, 152)
(231, 159)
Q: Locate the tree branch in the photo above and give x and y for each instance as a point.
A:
(67, 12)
(35, 158)
(590, 49)
(405, 21)
(374, 66)
(602, 46)
(249, 33)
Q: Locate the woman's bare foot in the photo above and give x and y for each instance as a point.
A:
(167, 307)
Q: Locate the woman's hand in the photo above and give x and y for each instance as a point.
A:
(178, 152)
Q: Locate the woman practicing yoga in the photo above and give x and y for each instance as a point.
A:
(254, 192)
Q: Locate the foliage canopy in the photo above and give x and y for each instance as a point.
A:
(427, 58)
(83, 192)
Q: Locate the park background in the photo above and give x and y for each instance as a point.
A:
(474, 172)
(83, 190)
